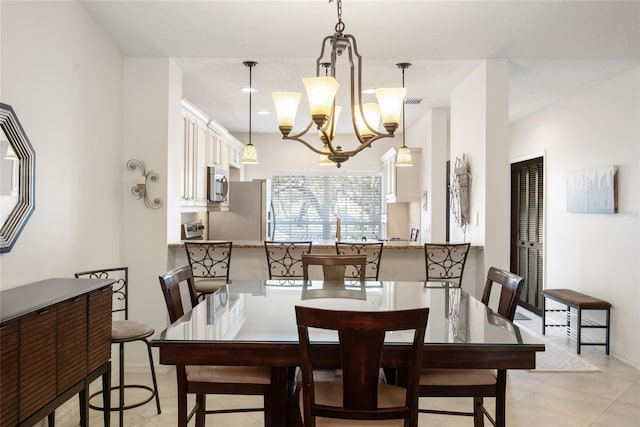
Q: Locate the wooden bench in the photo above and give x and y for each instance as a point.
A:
(579, 302)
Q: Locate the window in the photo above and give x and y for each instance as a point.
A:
(307, 206)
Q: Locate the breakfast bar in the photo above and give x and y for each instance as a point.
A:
(401, 260)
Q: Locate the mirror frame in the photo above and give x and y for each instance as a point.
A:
(20, 214)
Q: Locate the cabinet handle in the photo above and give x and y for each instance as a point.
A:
(74, 299)
(43, 311)
(103, 289)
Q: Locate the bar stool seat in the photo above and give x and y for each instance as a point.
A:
(129, 330)
(209, 286)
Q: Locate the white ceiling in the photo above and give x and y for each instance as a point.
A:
(555, 48)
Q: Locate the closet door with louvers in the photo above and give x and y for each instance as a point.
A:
(527, 229)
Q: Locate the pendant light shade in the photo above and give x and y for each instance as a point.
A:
(249, 155)
(403, 158)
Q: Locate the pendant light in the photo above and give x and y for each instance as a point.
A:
(249, 153)
(403, 158)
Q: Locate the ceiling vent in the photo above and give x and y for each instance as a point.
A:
(412, 101)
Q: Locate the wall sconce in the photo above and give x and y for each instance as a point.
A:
(140, 189)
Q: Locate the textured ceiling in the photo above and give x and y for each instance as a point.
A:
(555, 48)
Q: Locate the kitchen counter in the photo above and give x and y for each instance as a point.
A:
(388, 244)
(401, 260)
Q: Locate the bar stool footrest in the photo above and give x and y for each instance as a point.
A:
(131, 406)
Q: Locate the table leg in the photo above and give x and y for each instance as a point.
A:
(279, 398)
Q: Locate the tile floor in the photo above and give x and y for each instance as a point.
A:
(595, 399)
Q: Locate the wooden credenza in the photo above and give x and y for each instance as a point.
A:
(55, 338)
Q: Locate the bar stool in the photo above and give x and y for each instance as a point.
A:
(373, 251)
(445, 261)
(284, 259)
(210, 264)
(124, 331)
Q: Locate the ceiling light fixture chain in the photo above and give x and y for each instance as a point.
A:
(339, 25)
(321, 92)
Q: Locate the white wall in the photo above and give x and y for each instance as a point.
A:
(152, 121)
(63, 77)
(480, 130)
(596, 254)
(434, 172)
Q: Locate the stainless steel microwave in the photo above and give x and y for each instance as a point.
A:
(218, 185)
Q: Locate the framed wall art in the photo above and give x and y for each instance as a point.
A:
(593, 191)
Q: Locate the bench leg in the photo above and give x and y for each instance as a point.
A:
(607, 331)
(544, 314)
(579, 328)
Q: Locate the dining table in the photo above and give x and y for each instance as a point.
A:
(252, 323)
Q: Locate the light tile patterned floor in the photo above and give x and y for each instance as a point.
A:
(594, 399)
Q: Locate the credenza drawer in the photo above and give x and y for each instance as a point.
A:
(72, 342)
(37, 360)
(99, 327)
(9, 355)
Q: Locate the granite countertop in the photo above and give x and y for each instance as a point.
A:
(254, 244)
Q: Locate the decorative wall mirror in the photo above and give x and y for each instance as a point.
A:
(17, 178)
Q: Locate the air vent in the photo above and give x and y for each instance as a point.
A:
(413, 101)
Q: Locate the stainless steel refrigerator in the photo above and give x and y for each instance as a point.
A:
(250, 215)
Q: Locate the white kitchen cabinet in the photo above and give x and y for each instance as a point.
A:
(194, 166)
(401, 184)
(219, 151)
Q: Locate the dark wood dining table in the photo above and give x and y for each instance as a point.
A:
(252, 322)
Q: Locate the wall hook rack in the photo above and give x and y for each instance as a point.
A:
(140, 189)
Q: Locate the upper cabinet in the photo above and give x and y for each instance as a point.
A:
(203, 146)
(401, 184)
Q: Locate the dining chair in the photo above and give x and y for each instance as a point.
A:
(210, 263)
(204, 379)
(373, 251)
(284, 259)
(446, 261)
(335, 267)
(360, 398)
(478, 383)
(123, 331)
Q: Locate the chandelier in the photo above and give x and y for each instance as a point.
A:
(321, 93)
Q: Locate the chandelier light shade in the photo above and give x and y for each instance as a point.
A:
(249, 152)
(403, 158)
(321, 94)
(286, 108)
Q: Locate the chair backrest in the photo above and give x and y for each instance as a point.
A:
(446, 261)
(170, 284)
(361, 339)
(334, 266)
(373, 251)
(210, 259)
(509, 294)
(120, 302)
(284, 259)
